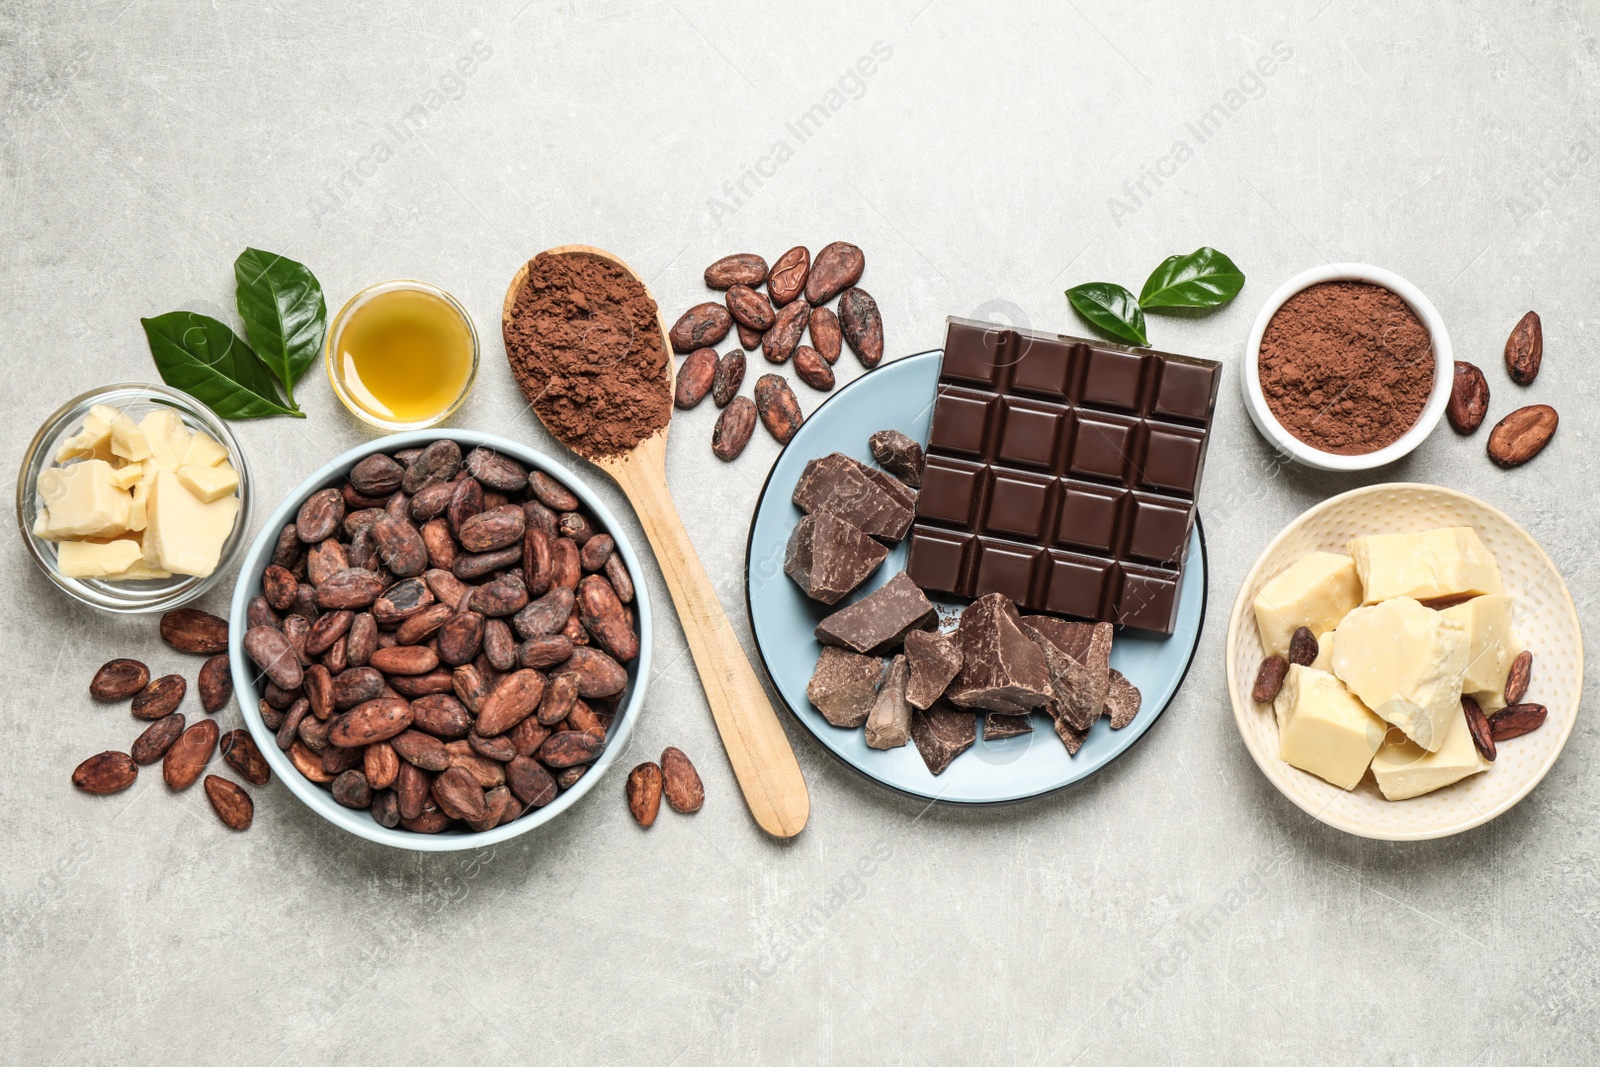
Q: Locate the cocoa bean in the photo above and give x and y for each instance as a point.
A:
(471, 685)
(461, 637)
(489, 530)
(486, 772)
(305, 604)
(569, 748)
(529, 780)
(325, 560)
(270, 650)
(466, 500)
(1522, 434)
(699, 327)
(551, 493)
(431, 821)
(603, 616)
(826, 336)
(421, 750)
(350, 789)
(536, 560)
(424, 624)
(405, 659)
(749, 339)
(734, 428)
(528, 735)
(499, 748)
(319, 516)
(837, 267)
(595, 551)
(106, 773)
(598, 674)
(386, 808)
(289, 729)
(468, 567)
(496, 801)
(189, 754)
(812, 368)
(568, 778)
(1269, 679)
(270, 715)
(289, 548)
(513, 700)
(441, 715)
(787, 278)
(616, 573)
(862, 326)
(685, 793)
(349, 589)
(565, 570)
(644, 793)
(431, 503)
(506, 595)
(458, 795)
(411, 786)
(335, 659)
(361, 553)
(545, 615)
(441, 546)
(779, 410)
(328, 629)
(193, 631)
(445, 586)
(381, 764)
(156, 739)
(585, 718)
(727, 378)
(778, 343)
(297, 631)
(573, 524)
(401, 601)
(437, 463)
(376, 475)
(356, 501)
(1469, 398)
(231, 803)
(1303, 647)
(573, 630)
(257, 612)
(240, 752)
(215, 684)
(741, 268)
(361, 640)
(1525, 349)
(499, 646)
(1517, 677)
(308, 763)
(1516, 720)
(279, 587)
(749, 308)
(695, 376)
(279, 697)
(399, 546)
(1478, 726)
(496, 471)
(356, 686)
(161, 697)
(560, 695)
(119, 679)
(421, 685)
(545, 651)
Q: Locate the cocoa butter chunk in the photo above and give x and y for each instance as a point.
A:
(942, 733)
(1078, 655)
(827, 557)
(898, 454)
(1001, 667)
(935, 660)
(1122, 702)
(889, 721)
(844, 686)
(998, 727)
(854, 491)
(880, 620)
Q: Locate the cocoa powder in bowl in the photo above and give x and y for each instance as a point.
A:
(1346, 367)
(584, 342)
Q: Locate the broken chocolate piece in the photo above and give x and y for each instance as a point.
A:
(942, 733)
(897, 454)
(1072, 739)
(827, 557)
(889, 721)
(1079, 658)
(1002, 668)
(997, 727)
(852, 490)
(843, 686)
(935, 660)
(878, 621)
(1122, 703)
(893, 486)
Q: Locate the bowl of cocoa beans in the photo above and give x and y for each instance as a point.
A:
(440, 640)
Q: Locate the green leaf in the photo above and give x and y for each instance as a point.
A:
(1205, 278)
(1112, 308)
(207, 360)
(284, 314)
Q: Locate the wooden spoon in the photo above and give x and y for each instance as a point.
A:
(762, 758)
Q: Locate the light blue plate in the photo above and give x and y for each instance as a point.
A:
(899, 396)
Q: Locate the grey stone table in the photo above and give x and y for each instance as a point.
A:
(1174, 909)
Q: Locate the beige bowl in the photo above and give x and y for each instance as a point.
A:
(1545, 618)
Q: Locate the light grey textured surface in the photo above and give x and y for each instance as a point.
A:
(1173, 910)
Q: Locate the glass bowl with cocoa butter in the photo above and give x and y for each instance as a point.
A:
(1348, 367)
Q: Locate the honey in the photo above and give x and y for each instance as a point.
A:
(404, 355)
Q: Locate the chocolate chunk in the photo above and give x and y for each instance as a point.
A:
(997, 727)
(827, 557)
(852, 490)
(889, 721)
(935, 660)
(880, 620)
(1123, 701)
(897, 454)
(1079, 658)
(893, 486)
(942, 733)
(844, 685)
(1001, 667)
(1071, 738)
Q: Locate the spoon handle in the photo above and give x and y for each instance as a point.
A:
(762, 758)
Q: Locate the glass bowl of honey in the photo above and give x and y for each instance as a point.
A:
(402, 354)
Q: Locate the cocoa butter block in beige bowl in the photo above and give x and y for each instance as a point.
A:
(1281, 438)
(249, 684)
(1544, 617)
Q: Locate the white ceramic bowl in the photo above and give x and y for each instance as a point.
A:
(1545, 618)
(320, 800)
(1255, 401)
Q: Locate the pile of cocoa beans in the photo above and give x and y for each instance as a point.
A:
(442, 638)
(794, 305)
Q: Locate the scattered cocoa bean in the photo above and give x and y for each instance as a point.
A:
(1303, 647)
(779, 342)
(837, 267)
(106, 773)
(701, 326)
(644, 793)
(779, 410)
(1525, 349)
(685, 792)
(161, 697)
(862, 326)
(726, 379)
(1522, 434)
(1516, 720)
(812, 368)
(749, 308)
(231, 803)
(734, 428)
(695, 376)
(787, 278)
(1518, 676)
(749, 339)
(1469, 398)
(215, 684)
(1269, 679)
(189, 754)
(826, 335)
(741, 268)
(1478, 726)
(193, 631)
(156, 739)
(239, 751)
(119, 679)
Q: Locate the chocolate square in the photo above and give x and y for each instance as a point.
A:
(1005, 567)
(1147, 598)
(951, 489)
(1089, 516)
(1019, 505)
(1029, 433)
(1158, 528)
(973, 356)
(1044, 366)
(1187, 390)
(938, 559)
(961, 422)
(1077, 585)
(1102, 446)
(1170, 458)
(1113, 379)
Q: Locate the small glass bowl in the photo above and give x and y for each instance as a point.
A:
(138, 400)
(330, 354)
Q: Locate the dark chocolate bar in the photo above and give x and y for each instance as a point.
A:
(1062, 472)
